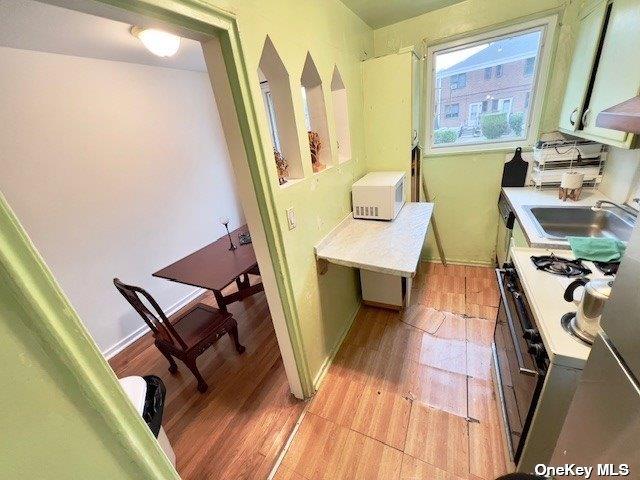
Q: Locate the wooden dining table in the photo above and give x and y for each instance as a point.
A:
(214, 267)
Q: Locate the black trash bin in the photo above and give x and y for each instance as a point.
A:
(148, 395)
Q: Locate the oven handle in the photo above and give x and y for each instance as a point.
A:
(516, 344)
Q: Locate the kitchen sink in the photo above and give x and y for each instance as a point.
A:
(562, 222)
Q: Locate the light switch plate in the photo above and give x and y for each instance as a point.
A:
(291, 218)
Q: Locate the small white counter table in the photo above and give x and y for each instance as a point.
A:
(387, 253)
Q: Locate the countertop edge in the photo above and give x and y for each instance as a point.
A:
(402, 272)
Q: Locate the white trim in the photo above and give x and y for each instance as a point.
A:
(116, 348)
(548, 27)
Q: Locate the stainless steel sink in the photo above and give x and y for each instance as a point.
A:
(562, 222)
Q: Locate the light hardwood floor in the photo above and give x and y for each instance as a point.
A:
(410, 394)
(237, 429)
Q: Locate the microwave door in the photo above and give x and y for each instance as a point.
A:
(603, 422)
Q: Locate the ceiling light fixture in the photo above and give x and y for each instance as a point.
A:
(162, 44)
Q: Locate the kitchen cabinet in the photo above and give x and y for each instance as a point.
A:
(582, 65)
(503, 241)
(518, 238)
(603, 72)
(391, 97)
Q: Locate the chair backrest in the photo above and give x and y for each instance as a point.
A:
(157, 322)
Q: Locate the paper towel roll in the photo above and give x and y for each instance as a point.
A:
(572, 180)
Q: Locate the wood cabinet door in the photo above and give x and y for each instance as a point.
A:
(618, 76)
(581, 69)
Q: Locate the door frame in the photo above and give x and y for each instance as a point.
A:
(51, 316)
(479, 105)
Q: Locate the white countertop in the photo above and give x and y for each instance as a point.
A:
(520, 197)
(386, 247)
(544, 292)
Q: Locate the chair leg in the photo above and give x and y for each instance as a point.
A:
(173, 367)
(191, 365)
(233, 331)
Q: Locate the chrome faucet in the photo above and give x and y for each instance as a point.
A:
(624, 208)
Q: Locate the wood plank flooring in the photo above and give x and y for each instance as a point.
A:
(237, 429)
(410, 394)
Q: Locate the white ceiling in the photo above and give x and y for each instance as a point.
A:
(380, 13)
(31, 25)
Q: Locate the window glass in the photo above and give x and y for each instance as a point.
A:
(480, 94)
(529, 65)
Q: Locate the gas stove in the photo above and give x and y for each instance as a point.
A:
(608, 268)
(560, 265)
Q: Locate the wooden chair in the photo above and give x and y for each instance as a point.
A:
(189, 335)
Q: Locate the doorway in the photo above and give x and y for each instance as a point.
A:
(250, 188)
(474, 114)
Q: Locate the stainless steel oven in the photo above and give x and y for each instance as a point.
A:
(521, 360)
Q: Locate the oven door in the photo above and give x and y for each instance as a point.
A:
(519, 377)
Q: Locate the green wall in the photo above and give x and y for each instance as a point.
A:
(334, 36)
(44, 415)
(465, 187)
(52, 428)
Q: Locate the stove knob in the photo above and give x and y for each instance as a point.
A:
(532, 335)
(537, 350)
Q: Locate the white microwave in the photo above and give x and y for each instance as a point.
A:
(379, 195)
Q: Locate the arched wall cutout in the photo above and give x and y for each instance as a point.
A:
(315, 115)
(279, 111)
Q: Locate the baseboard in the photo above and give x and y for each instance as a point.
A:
(329, 360)
(135, 335)
(470, 263)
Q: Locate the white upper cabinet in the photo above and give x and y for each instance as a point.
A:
(615, 70)
(582, 65)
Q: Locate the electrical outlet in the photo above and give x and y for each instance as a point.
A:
(291, 218)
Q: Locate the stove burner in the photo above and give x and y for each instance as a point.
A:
(568, 322)
(608, 268)
(560, 266)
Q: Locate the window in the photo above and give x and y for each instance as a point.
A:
(529, 63)
(271, 115)
(471, 63)
(458, 81)
(505, 105)
(452, 111)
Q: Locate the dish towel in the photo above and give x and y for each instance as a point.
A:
(597, 249)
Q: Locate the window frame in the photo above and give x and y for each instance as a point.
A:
(451, 113)
(458, 76)
(547, 26)
(499, 70)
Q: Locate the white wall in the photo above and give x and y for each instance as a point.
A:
(114, 169)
